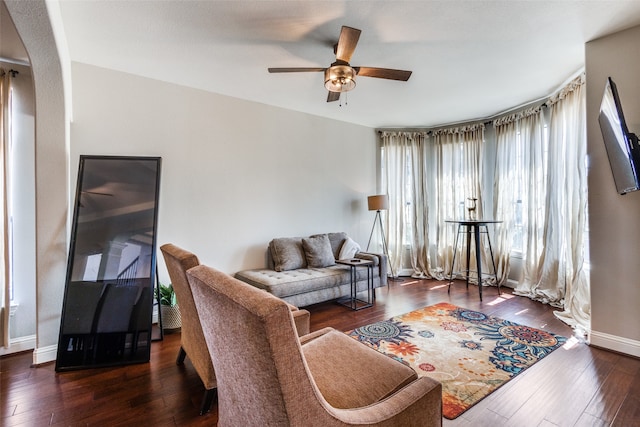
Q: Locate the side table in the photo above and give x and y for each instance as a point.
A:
(473, 228)
(352, 301)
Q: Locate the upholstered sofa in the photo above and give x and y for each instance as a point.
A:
(303, 271)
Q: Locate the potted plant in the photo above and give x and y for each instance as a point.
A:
(170, 311)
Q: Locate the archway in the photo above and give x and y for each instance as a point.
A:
(36, 22)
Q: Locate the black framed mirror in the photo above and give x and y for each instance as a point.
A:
(108, 301)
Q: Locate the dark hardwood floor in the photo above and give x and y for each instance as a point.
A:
(577, 386)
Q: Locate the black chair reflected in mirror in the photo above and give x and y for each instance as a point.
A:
(112, 326)
(80, 316)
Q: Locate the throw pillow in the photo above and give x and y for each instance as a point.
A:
(317, 250)
(287, 253)
(336, 240)
(349, 249)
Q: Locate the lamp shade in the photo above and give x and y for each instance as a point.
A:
(378, 203)
(339, 78)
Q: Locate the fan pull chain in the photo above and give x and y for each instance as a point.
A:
(346, 99)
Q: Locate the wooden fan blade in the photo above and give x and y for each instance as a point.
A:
(333, 96)
(96, 193)
(383, 73)
(294, 70)
(347, 43)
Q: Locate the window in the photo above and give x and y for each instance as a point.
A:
(520, 196)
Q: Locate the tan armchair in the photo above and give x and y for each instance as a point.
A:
(269, 376)
(178, 261)
(192, 340)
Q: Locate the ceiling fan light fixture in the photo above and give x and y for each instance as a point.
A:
(339, 78)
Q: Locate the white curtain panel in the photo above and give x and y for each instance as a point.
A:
(428, 181)
(555, 252)
(403, 180)
(519, 186)
(5, 134)
(568, 133)
(458, 166)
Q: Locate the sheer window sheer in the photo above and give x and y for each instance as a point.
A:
(428, 180)
(519, 187)
(404, 156)
(458, 165)
(555, 244)
(5, 135)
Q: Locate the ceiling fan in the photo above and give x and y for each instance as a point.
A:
(92, 193)
(341, 76)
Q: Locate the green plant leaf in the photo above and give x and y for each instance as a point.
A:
(167, 295)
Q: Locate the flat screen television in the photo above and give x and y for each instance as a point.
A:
(621, 145)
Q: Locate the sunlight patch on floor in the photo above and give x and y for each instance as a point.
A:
(409, 283)
(501, 298)
(571, 342)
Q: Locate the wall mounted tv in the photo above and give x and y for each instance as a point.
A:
(622, 146)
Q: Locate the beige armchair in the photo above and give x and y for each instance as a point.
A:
(269, 376)
(193, 344)
(192, 341)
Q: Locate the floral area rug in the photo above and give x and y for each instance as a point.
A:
(470, 353)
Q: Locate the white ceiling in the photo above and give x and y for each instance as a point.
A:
(470, 59)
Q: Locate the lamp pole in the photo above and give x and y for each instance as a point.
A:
(379, 203)
(378, 219)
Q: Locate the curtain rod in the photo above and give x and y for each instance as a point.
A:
(486, 121)
(14, 61)
(542, 101)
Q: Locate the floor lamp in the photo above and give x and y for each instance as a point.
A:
(380, 203)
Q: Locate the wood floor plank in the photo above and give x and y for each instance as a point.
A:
(574, 389)
(560, 407)
(587, 420)
(607, 401)
(582, 386)
(629, 413)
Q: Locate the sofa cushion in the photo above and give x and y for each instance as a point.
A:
(286, 284)
(330, 358)
(349, 249)
(318, 251)
(287, 253)
(336, 240)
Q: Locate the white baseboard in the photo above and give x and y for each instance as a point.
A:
(45, 354)
(407, 272)
(19, 344)
(615, 343)
(403, 272)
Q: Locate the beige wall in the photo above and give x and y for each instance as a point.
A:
(235, 174)
(614, 219)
